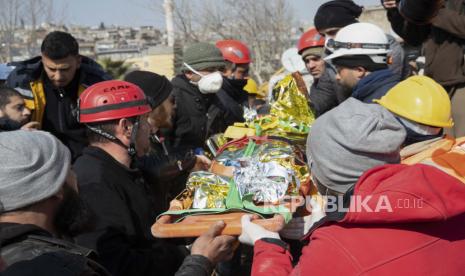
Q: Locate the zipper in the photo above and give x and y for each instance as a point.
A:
(61, 124)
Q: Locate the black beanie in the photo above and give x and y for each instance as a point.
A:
(337, 14)
(156, 88)
(359, 60)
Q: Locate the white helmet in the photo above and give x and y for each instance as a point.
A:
(360, 39)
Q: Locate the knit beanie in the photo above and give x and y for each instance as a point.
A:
(33, 167)
(351, 139)
(359, 60)
(314, 51)
(156, 88)
(203, 55)
(337, 14)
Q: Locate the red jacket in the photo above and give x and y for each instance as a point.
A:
(428, 238)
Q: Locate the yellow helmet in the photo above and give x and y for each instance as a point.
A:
(419, 99)
(251, 87)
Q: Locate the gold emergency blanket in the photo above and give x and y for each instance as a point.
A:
(290, 115)
(210, 190)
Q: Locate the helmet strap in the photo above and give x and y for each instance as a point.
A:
(132, 144)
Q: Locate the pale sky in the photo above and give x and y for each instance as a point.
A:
(135, 12)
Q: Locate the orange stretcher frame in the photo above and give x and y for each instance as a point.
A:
(194, 226)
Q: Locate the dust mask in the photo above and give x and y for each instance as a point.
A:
(209, 83)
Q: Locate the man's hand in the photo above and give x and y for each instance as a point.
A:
(298, 227)
(389, 4)
(202, 163)
(213, 246)
(252, 232)
(31, 126)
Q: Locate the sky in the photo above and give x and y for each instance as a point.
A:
(137, 12)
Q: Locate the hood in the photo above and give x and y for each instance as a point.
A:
(405, 194)
(375, 85)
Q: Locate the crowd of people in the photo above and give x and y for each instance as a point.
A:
(88, 163)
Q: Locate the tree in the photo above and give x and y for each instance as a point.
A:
(116, 69)
(9, 20)
(25, 15)
(264, 25)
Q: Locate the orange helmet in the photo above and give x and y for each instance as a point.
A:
(109, 100)
(234, 51)
(310, 39)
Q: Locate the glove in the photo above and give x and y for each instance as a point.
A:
(298, 227)
(252, 232)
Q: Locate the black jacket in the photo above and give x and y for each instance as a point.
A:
(227, 107)
(165, 172)
(26, 248)
(59, 113)
(325, 92)
(199, 116)
(195, 265)
(190, 122)
(125, 211)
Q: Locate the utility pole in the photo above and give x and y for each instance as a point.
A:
(168, 6)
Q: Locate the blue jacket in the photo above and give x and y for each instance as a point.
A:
(375, 85)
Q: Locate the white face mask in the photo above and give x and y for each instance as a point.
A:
(210, 83)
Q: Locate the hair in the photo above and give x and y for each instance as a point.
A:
(107, 126)
(5, 94)
(59, 45)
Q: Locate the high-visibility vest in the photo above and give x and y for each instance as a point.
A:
(35, 99)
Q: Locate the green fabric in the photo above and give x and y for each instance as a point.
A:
(233, 201)
(203, 55)
(278, 209)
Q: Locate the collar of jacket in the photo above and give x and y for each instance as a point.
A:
(100, 154)
(373, 82)
(11, 232)
(183, 83)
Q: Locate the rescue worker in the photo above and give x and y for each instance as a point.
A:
(423, 107)
(360, 58)
(51, 84)
(232, 98)
(325, 92)
(115, 114)
(194, 91)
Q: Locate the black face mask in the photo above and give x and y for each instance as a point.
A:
(73, 216)
(237, 83)
(8, 124)
(414, 137)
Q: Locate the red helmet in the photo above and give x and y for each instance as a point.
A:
(110, 100)
(309, 39)
(234, 51)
